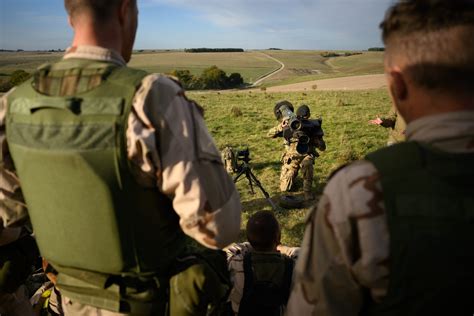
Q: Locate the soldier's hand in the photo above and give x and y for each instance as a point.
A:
(376, 121)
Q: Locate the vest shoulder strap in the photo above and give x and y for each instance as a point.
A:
(266, 296)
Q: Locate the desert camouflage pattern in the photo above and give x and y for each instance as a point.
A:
(235, 260)
(161, 132)
(345, 248)
(169, 148)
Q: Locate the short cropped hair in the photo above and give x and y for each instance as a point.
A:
(100, 9)
(263, 230)
(435, 39)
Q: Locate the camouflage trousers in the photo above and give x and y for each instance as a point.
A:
(196, 288)
(291, 164)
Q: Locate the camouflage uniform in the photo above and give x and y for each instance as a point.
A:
(166, 155)
(292, 161)
(343, 262)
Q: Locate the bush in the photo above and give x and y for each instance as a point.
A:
(235, 80)
(214, 78)
(211, 78)
(5, 85)
(16, 78)
(184, 76)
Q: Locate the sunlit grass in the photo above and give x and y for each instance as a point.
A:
(348, 136)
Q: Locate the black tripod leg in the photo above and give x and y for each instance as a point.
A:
(265, 193)
(236, 178)
(249, 175)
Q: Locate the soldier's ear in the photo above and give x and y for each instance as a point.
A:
(69, 21)
(397, 85)
(123, 12)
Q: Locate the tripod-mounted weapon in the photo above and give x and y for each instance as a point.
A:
(238, 163)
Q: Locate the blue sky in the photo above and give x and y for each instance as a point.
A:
(173, 24)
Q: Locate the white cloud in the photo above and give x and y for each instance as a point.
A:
(278, 13)
(292, 23)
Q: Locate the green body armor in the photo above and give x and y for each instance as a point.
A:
(429, 200)
(267, 282)
(66, 133)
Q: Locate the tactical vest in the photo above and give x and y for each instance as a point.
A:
(429, 201)
(66, 133)
(266, 285)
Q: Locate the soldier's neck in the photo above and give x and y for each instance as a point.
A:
(106, 36)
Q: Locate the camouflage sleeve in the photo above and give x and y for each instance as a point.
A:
(13, 211)
(169, 142)
(276, 131)
(291, 252)
(345, 247)
(237, 249)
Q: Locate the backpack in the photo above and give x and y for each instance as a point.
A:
(267, 284)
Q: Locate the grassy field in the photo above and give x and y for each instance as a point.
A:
(27, 61)
(299, 65)
(303, 66)
(345, 114)
(251, 65)
(348, 136)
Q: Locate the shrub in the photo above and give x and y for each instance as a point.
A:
(18, 77)
(184, 76)
(235, 80)
(5, 85)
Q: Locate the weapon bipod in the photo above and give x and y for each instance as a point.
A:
(244, 169)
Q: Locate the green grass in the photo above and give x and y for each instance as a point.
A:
(345, 114)
(348, 136)
(303, 66)
(27, 61)
(299, 65)
(251, 65)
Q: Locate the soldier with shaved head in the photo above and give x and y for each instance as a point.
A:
(117, 171)
(393, 234)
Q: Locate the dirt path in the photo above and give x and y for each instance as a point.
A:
(282, 66)
(365, 82)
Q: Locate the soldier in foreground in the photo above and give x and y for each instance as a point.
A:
(292, 159)
(111, 162)
(393, 234)
(261, 268)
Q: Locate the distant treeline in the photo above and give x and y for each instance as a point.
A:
(211, 78)
(334, 54)
(376, 49)
(213, 50)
